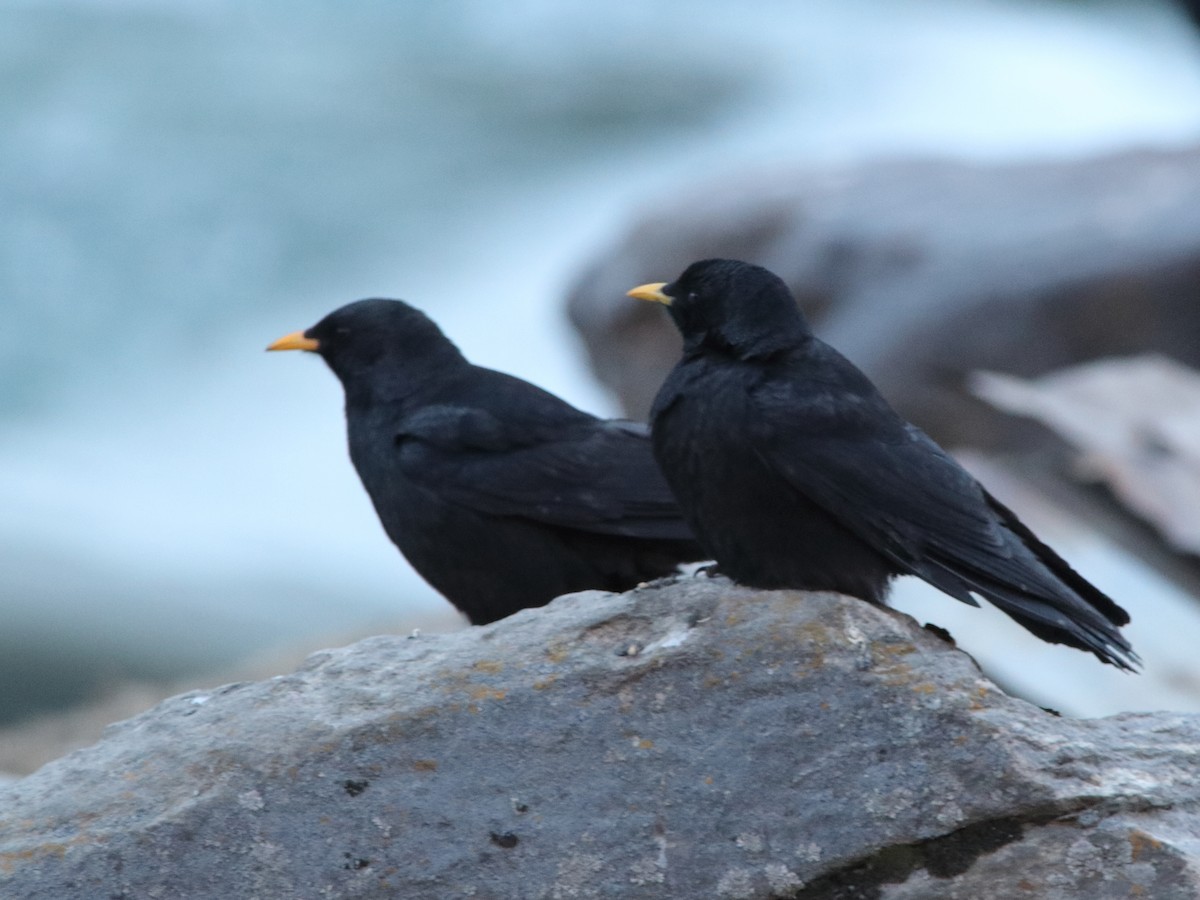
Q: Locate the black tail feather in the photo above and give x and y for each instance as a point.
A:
(1087, 591)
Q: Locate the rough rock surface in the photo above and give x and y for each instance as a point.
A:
(688, 740)
(922, 271)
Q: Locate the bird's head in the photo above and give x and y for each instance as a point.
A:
(730, 306)
(381, 346)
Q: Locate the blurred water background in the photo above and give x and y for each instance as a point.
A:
(182, 182)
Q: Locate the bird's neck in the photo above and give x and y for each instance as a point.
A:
(401, 389)
(759, 346)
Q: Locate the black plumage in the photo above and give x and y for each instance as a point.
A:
(794, 472)
(501, 495)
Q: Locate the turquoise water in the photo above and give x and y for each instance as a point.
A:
(181, 182)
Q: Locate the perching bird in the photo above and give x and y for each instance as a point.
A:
(499, 494)
(794, 472)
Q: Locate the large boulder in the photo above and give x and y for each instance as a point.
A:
(922, 271)
(690, 739)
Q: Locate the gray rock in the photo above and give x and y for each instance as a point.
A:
(922, 271)
(687, 740)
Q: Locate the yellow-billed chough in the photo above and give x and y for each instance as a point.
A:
(794, 472)
(501, 495)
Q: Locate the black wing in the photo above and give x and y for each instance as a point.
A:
(900, 492)
(582, 473)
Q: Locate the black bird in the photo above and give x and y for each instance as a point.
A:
(794, 472)
(501, 495)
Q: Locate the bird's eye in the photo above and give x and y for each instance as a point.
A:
(691, 297)
(342, 331)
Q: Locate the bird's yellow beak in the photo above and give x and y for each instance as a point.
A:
(295, 341)
(652, 292)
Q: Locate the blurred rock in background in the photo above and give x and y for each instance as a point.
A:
(924, 272)
(921, 271)
(1192, 8)
(1136, 426)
